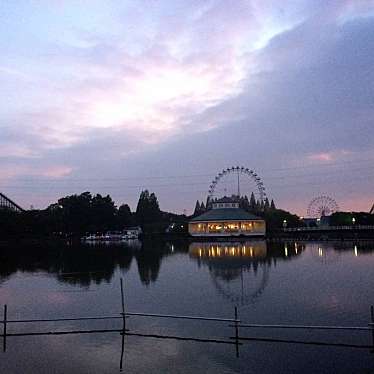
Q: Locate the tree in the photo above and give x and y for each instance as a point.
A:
(266, 204)
(244, 203)
(252, 202)
(208, 204)
(260, 205)
(76, 212)
(84, 212)
(275, 218)
(103, 212)
(197, 210)
(147, 210)
(272, 205)
(124, 216)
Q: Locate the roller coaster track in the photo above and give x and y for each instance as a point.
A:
(7, 203)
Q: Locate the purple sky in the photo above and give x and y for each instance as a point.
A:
(116, 96)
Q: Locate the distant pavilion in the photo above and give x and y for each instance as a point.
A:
(226, 219)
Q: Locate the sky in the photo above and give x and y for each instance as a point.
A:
(115, 96)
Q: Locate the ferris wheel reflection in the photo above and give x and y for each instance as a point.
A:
(240, 270)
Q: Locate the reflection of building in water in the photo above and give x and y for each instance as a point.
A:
(226, 219)
(133, 244)
(356, 247)
(324, 253)
(239, 270)
(228, 249)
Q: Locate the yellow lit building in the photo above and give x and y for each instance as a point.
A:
(226, 219)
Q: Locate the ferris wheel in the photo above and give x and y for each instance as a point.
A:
(233, 176)
(245, 289)
(322, 206)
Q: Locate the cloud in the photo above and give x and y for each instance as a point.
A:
(11, 170)
(176, 60)
(329, 156)
(192, 86)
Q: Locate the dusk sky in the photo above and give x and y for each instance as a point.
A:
(116, 96)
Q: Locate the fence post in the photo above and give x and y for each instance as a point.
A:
(4, 327)
(236, 332)
(372, 322)
(123, 307)
(122, 352)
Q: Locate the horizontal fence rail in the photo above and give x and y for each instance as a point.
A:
(329, 228)
(62, 319)
(201, 318)
(306, 327)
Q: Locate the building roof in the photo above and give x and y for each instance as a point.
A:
(224, 214)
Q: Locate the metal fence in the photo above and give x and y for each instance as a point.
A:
(238, 327)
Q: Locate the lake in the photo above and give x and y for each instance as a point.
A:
(302, 283)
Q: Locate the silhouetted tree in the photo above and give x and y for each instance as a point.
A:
(244, 203)
(124, 216)
(147, 210)
(197, 210)
(103, 212)
(252, 202)
(75, 210)
(266, 204)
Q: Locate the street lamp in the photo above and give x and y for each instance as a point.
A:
(284, 223)
(353, 220)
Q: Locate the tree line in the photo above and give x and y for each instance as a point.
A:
(251, 205)
(76, 215)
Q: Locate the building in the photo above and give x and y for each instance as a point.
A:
(226, 219)
(133, 232)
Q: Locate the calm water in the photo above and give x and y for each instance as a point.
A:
(300, 283)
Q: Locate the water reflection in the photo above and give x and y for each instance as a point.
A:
(285, 280)
(329, 253)
(240, 270)
(84, 265)
(134, 244)
(244, 266)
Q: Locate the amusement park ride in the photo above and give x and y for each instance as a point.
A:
(218, 186)
(322, 206)
(6, 203)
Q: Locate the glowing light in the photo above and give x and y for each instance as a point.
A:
(356, 251)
